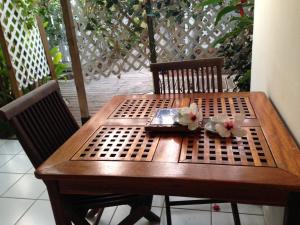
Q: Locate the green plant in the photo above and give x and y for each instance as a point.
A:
(236, 45)
(58, 65)
(237, 52)
(6, 95)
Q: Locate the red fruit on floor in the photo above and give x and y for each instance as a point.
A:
(216, 207)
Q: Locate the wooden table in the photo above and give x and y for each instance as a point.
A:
(113, 153)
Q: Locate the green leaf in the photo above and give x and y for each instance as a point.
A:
(208, 2)
(223, 12)
(54, 51)
(235, 32)
(60, 68)
(57, 58)
(45, 24)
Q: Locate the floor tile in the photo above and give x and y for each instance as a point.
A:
(12, 209)
(227, 219)
(252, 219)
(188, 217)
(7, 180)
(18, 164)
(27, 187)
(107, 215)
(144, 221)
(4, 159)
(123, 211)
(195, 207)
(44, 196)
(22, 152)
(158, 201)
(40, 213)
(243, 208)
(2, 141)
(31, 171)
(11, 147)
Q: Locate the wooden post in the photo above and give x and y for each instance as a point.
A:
(76, 64)
(46, 47)
(151, 31)
(11, 71)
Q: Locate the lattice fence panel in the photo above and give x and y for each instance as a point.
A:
(191, 39)
(25, 46)
(100, 51)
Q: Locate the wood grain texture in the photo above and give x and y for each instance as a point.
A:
(268, 179)
(46, 47)
(74, 53)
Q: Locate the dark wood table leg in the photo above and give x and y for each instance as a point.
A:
(168, 210)
(235, 213)
(57, 204)
(292, 210)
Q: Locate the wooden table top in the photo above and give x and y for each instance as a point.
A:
(113, 149)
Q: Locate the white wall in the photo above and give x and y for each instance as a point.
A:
(276, 57)
(276, 66)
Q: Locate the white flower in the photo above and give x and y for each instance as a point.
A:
(190, 116)
(226, 126)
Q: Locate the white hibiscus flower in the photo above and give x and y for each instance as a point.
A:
(190, 116)
(227, 126)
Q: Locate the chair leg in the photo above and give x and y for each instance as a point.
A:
(150, 216)
(140, 210)
(235, 213)
(168, 210)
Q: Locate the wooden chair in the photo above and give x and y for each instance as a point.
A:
(194, 76)
(43, 123)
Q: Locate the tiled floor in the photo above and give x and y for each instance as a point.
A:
(24, 199)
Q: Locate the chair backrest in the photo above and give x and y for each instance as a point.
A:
(203, 75)
(42, 121)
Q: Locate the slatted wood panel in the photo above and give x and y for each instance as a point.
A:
(199, 80)
(251, 150)
(140, 108)
(203, 75)
(225, 105)
(119, 143)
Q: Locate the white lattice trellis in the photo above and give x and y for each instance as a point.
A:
(192, 38)
(98, 58)
(24, 46)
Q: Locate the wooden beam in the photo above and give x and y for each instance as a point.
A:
(11, 71)
(44, 39)
(76, 64)
(153, 56)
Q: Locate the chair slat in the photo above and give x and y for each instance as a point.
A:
(163, 83)
(183, 83)
(197, 77)
(186, 73)
(168, 79)
(213, 79)
(207, 79)
(188, 76)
